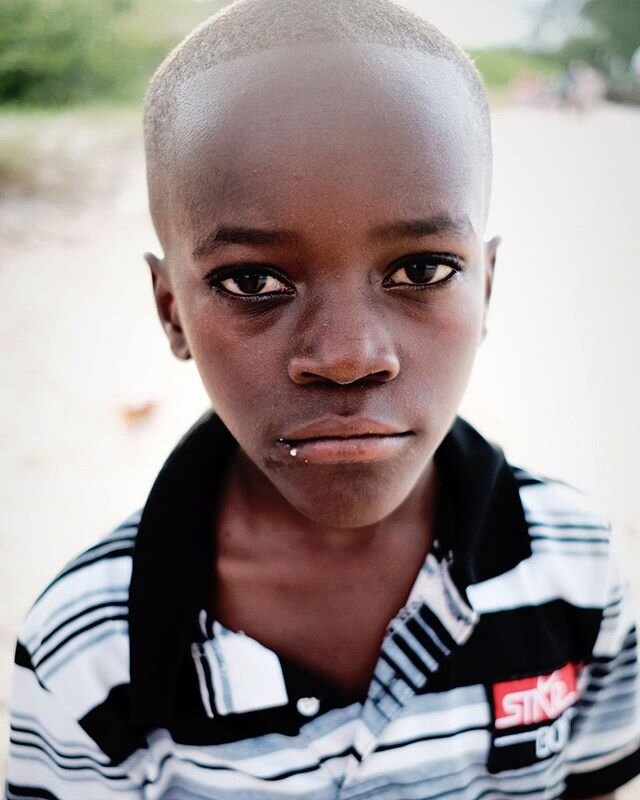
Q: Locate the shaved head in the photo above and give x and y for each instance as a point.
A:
(319, 173)
(250, 27)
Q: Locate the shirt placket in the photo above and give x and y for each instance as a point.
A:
(424, 636)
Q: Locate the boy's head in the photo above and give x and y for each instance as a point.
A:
(319, 176)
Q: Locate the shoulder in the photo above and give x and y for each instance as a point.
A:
(96, 578)
(555, 506)
(75, 635)
(571, 555)
(567, 527)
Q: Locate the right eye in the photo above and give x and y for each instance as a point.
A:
(247, 282)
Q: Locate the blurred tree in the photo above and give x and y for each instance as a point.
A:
(61, 51)
(54, 52)
(618, 24)
(602, 32)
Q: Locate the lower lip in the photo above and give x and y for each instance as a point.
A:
(339, 451)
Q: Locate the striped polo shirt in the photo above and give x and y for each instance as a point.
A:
(510, 672)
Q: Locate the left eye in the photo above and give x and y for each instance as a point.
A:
(252, 283)
(421, 272)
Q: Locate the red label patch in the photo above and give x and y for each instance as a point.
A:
(529, 701)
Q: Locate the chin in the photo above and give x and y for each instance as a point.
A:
(350, 502)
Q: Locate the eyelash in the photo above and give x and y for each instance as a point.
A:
(432, 259)
(215, 278)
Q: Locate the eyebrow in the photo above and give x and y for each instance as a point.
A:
(216, 240)
(432, 226)
(233, 234)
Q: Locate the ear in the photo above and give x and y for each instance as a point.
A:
(490, 255)
(167, 306)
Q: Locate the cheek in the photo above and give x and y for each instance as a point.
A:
(445, 344)
(233, 358)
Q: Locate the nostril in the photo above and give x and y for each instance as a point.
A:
(353, 367)
(382, 376)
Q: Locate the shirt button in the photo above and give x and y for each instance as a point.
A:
(308, 706)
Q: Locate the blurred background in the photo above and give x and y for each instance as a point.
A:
(92, 399)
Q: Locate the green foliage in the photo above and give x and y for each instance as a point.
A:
(609, 31)
(617, 23)
(54, 51)
(62, 51)
(500, 66)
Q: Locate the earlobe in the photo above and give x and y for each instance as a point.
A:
(167, 307)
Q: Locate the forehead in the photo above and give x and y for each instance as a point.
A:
(312, 130)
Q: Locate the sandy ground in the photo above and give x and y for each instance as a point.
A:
(556, 381)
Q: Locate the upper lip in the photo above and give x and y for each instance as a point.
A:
(333, 427)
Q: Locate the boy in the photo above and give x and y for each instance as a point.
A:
(336, 588)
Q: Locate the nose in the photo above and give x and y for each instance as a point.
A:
(344, 344)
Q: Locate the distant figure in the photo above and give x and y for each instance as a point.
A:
(583, 87)
(532, 89)
(634, 65)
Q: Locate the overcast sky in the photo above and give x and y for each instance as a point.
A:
(478, 23)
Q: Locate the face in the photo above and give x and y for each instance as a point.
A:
(325, 267)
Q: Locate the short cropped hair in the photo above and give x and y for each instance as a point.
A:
(247, 27)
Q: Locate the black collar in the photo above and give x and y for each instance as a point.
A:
(173, 555)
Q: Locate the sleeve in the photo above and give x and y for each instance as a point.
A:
(604, 750)
(50, 756)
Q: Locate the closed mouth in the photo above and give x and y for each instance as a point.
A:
(337, 449)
